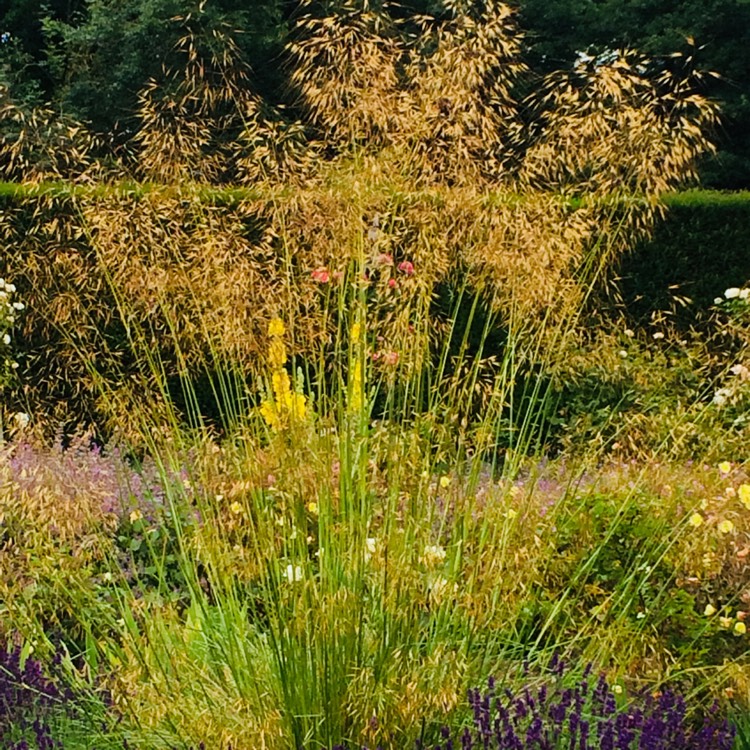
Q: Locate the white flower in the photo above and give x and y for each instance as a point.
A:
(732, 293)
(10, 287)
(658, 335)
(22, 419)
(741, 371)
(623, 353)
(745, 293)
(433, 554)
(721, 396)
(18, 305)
(718, 300)
(371, 545)
(6, 338)
(293, 573)
(629, 332)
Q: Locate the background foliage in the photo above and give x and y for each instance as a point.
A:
(92, 58)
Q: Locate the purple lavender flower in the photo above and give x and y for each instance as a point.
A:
(580, 718)
(28, 700)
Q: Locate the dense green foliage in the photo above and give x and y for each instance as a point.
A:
(93, 58)
(701, 249)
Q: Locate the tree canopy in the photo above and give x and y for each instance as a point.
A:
(92, 58)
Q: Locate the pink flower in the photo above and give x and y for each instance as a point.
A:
(384, 259)
(392, 283)
(390, 358)
(407, 267)
(321, 275)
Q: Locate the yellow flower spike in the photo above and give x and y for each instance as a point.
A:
(696, 520)
(282, 386)
(135, 515)
(725, 526)
(356, 394)
(235, 507)
(725, 467)
(740, 628)
(709, 610)
(276, 354)
(296, 404)
(445, 482)
(356, 331)
(276, 328)
(312, 507)
(269, 414)
(725, 622)
(743, 492)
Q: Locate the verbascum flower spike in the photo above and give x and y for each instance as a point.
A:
(276, 328)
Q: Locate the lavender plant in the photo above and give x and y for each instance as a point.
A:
(29, 702)
(585, 716)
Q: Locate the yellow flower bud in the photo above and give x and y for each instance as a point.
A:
(276, 327)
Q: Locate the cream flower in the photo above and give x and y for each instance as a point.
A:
(433, 554)
(293, 573)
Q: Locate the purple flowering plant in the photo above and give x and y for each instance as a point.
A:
(555, 715)
(29, 703)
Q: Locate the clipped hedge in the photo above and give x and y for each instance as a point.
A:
(701, 249)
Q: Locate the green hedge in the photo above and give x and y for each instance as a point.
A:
(698, 251)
